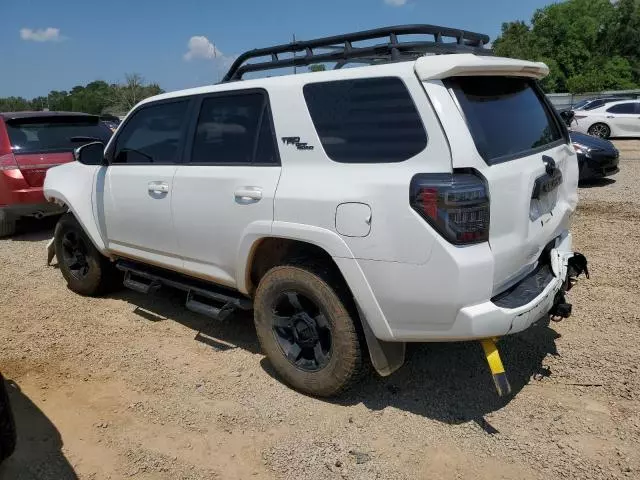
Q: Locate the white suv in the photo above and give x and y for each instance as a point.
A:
(420, 198)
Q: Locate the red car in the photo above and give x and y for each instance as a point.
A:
(31, 143)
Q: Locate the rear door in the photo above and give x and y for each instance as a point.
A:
(41, 142)
(227, 182)
(625, 118)
(528, 164)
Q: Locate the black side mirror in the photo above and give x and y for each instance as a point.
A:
(90, 154)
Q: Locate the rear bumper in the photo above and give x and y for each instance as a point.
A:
(442, 301)
(14, 212)
(14, 190)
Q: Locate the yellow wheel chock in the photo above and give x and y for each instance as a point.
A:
(495, 365)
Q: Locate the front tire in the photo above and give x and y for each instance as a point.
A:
(85, 269)
(600, 130)
(307, 332)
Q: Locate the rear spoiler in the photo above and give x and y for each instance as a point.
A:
(464, 64)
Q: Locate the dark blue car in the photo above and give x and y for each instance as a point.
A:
(597, 158)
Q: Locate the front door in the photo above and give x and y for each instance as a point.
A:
(227, 182)
(137, 188)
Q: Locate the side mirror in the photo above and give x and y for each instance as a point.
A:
(90, 154)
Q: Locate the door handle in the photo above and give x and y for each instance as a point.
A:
(158, 187)
(247, 195)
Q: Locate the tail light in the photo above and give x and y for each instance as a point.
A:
(456, 205)
(7, 160)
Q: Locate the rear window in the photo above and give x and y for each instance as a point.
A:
(506, 116)
(370, 120)
(54, 134)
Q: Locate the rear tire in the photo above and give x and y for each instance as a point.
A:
(599, 130)
(315, 313)
(7, 226)
(85, 269)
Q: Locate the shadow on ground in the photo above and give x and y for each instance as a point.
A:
(38, 454)
(236, 332)
(448, 382)
(451, 382)
(31, 230)
(596, 182)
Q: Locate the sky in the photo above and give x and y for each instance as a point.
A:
(57, 44)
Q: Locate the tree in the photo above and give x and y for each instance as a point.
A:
(318, 67)
(589, 45)
(97, 97)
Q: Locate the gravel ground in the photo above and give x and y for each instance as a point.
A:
(136, 387)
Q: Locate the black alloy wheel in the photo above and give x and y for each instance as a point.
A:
(302, 331)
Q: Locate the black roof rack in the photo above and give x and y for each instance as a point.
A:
(342, 51)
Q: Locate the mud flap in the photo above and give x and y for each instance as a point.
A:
(51, 251)
(386, 357)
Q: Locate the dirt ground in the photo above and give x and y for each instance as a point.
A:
(131, 386)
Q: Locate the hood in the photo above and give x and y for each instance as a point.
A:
(592, 142)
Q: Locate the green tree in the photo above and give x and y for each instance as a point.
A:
(318, 67)
(588, 44)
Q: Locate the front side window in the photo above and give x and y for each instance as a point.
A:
(623, 108)
(371, 120)
(234, 129)
(152, 134)
(507, 116)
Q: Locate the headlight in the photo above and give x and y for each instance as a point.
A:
(580, 148)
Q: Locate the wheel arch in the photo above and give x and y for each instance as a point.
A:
(293, 243)
(71, 186)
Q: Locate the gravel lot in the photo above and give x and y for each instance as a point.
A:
(136, 387)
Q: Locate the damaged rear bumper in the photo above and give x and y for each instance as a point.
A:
(533, 298)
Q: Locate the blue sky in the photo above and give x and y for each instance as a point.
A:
(56, 44)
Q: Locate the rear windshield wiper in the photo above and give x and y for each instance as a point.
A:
(81, 138)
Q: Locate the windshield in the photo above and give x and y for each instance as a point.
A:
(55, 134)
(507, 116)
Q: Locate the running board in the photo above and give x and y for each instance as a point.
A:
(202, 297)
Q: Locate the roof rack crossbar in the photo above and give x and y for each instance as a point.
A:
(343, 49)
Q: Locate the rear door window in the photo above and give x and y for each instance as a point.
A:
(235, 129)
(370, 120)
(507, 116)
(57, 133)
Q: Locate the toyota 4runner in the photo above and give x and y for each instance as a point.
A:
(425, 196)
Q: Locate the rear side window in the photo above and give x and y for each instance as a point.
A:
(370, 120)
(624, 108)
(234, 129)
(55, 133)
(506, 116)
(152, 134)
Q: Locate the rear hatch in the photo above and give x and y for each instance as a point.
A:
(527, 162)
(40, 142)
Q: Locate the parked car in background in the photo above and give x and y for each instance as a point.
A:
(597, 157)
(30, 144)
(7, 425)
(592, 103)
(110, 125)
(616, 119)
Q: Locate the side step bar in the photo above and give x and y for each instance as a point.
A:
(203, 298)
